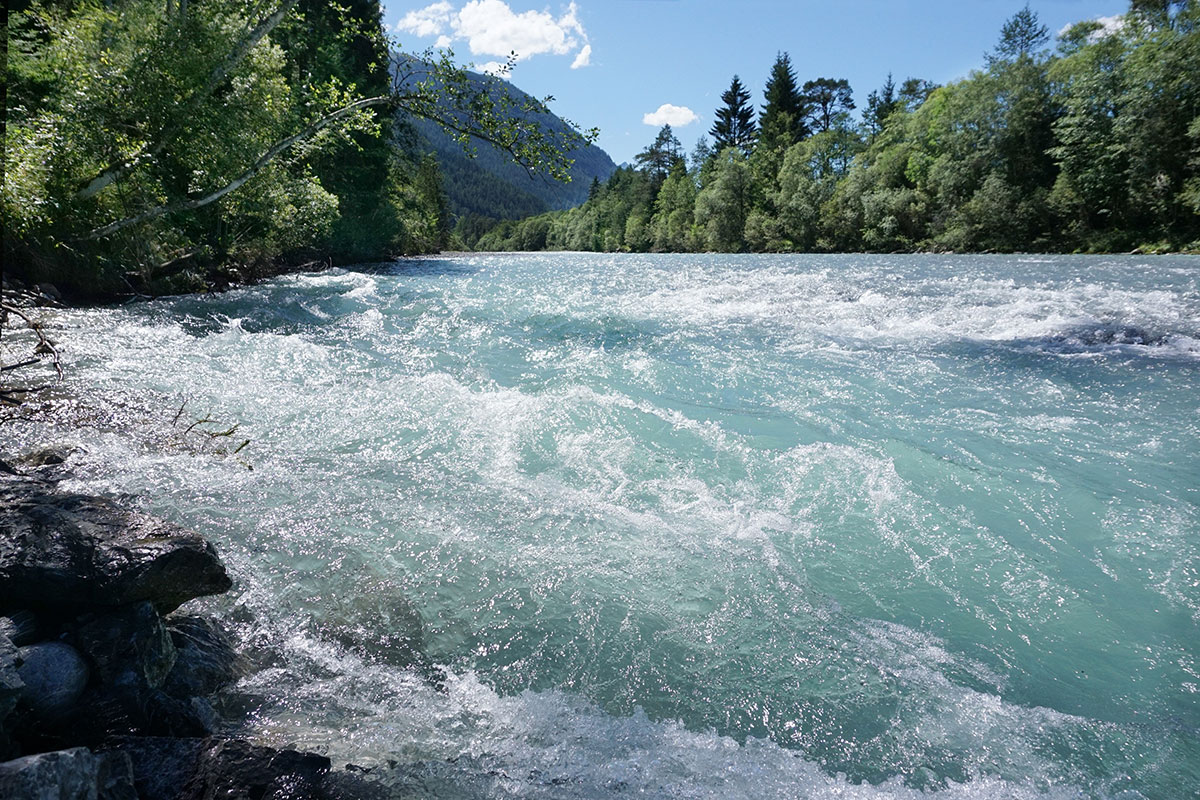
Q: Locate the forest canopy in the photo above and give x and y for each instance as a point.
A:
(166, 146)
(1087, 143)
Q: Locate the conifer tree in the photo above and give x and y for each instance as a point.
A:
(783, 98)
(1022, 35)
(657, 159)
(880, 105)
(829, 100)
(734, 126)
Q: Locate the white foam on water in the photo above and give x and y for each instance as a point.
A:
(798, 451)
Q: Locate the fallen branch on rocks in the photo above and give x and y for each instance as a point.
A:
(14, 395)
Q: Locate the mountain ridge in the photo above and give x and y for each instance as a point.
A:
(491, 184)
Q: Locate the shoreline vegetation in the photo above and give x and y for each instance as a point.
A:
(156, 148)
(161, 149)
(1089, 144)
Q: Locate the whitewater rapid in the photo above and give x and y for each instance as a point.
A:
(586, 525)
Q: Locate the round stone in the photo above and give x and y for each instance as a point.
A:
(54, 674)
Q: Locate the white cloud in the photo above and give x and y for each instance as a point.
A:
(1108, 26)
(667, 114)
(584, 58)
(492, 28)
(428, 21)
(498, 69)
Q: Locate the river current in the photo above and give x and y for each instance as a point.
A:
(687, 526)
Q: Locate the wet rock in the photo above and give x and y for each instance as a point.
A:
(49, 456)
(11, 685)
(238, 769)
(353, 783)
(55, 676)
(191, 769)
(51, 291)
(161, 765)
(11, 689)
(129, 647)
(206, 661)
(20, 627)
(108, 711)
(70, 552)
(77, 774)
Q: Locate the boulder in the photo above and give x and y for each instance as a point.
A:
(353, 783)
(238, 770)
(161, 765)
(69, 553)
(77, 773)
(11, 689)
(129, 647)
(21, 627)
(50, 291)
(48, 456)
(206, 661)
(11, 685)
(55, 676)
(190, 769)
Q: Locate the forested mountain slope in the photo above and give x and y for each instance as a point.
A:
(491, 184)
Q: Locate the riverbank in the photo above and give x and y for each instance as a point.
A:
(107, 683)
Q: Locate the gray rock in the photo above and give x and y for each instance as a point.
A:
(21, 627)
(129, 647)
(69, 553)
(237, 769)
(51, 291)
(190, 769)
(161, 765)
(206, 661)
(75, 774)
(353, 784)
(11, 685)
(54, 675)
(11, 689)
(49, 456)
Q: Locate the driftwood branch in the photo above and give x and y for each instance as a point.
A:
(44, 344)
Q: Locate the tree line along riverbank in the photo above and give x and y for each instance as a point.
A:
(1088, 143)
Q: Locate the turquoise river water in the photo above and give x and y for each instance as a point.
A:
(592, 526)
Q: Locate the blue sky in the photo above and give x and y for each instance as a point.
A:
(610, 63)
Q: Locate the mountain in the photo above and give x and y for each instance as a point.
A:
(491, 185)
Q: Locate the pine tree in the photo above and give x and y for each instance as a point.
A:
(1020, 37)
(829, 101)
(880, 105)
(657, 159)
(783, 98)
(735, 119)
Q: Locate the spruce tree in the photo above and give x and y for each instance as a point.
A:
(734, 126)
(783, 98)
(657, 159)
(880, 105)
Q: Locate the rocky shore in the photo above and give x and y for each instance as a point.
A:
(106, 685)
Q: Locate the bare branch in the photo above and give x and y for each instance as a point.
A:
(44, 344)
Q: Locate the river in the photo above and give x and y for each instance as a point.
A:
(587, 525)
